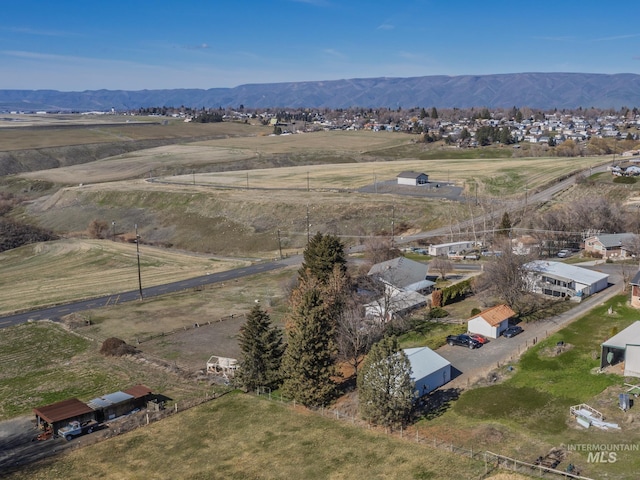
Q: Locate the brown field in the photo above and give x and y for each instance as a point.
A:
(48, 273)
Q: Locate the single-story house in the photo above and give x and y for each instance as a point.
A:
(395, 304)
(447, 248)
(403, 274)
(428, 369)
(635, 290)
(412, 178)
(611, 245)
(623, 347)
(559, 279)
(59, 414)
(491, 322)
(404, 283)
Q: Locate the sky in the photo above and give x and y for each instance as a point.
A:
(77, 45)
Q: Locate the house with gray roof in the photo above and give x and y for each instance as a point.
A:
(404, 284)
(635, 290)
(412, 178)
(561, 280)
(611, 245)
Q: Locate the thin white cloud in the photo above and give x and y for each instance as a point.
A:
(556, 39)
(385, 26)
(40, 56)
(617, 37)
(202, 46)
(316, 3)
(334, 53)
(40, 32)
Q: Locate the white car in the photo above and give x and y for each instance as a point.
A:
(563, 253)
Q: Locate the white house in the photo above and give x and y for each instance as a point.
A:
(447, 248)
(404, 283)
(559, 279)
(623, 347)
(428, 369)
(491, 322)
(412, 178)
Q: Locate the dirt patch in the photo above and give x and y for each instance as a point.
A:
(555, 350)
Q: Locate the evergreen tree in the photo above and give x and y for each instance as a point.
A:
(385, 388)
(308, 363)
(322, 254)
(434, 113)
(261, 346)
(505, 225)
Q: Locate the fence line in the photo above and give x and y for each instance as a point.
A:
(491, 460)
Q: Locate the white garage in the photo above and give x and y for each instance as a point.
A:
(428, 369)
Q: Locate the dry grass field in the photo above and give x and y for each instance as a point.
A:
(62, 271)
(242, 437)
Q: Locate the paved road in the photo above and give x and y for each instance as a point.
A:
(56, 312)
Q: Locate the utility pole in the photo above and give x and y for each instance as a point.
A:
(393, 222)
(138, 253)
(279, 244)
(308, 226)
(113, 225)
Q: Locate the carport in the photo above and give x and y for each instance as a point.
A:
(59, 414)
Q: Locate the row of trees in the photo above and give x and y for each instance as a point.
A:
(324, 326)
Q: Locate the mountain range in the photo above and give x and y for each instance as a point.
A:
(535, 90)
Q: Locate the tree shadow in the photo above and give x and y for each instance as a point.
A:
(435, 404)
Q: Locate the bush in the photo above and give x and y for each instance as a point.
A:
(475, 311)
(437, 312)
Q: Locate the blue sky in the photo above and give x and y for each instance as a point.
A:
(75, 45)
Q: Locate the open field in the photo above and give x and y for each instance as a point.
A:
(55, 272)
(43, 363)
(240, 437)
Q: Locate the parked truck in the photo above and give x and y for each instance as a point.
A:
(76, 428)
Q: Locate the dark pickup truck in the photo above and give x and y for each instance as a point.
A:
(463, 340)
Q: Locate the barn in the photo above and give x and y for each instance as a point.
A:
(428, 369)
(623, 347)
(412, 178)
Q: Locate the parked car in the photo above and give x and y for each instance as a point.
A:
(564, 253)
(512, 331)
(480, 338)
(463, 340)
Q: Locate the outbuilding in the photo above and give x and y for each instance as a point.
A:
(112, 405)
(447, 248)
(59, 414)
(623, 347)
(428, 369)
(492, 321)
(412, 178)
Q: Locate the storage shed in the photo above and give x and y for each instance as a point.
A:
(428, 369)
(112, 405)
(59, 414)
(623, 347)
(491, 322)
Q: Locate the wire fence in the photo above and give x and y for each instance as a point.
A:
(492, 461)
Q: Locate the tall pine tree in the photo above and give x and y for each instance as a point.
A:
(308, 363)
(385, 388)
(261, 346)
(321, 256)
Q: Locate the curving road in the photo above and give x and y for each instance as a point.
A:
(54, 313)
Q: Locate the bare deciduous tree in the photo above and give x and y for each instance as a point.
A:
(355, 334)
(505, 277)
(442, 266)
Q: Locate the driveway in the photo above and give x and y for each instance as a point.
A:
(469, 366)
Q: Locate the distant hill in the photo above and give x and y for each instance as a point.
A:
(536, 90)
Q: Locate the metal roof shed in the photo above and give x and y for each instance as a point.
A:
(428, 369)
(623, 347)
(60, 413)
